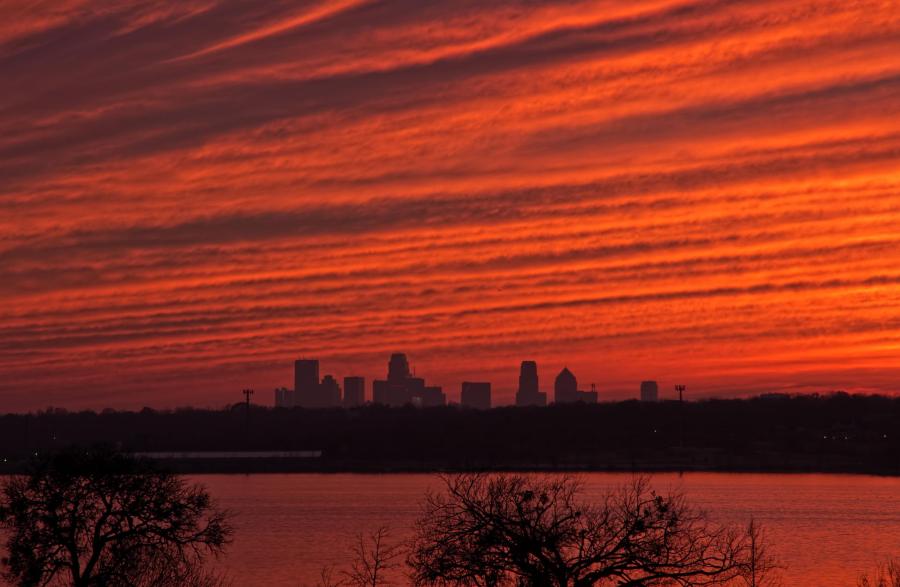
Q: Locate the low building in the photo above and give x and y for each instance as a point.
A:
(433, 397)
(354, 391)
(649, 391)
(476, 394)
(285, 398)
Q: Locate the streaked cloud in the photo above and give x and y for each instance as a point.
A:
(695, 190)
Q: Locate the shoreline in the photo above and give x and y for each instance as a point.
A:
(245, 466)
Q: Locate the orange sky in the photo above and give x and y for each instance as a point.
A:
(193, 194)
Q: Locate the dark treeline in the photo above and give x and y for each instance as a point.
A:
(837, 432)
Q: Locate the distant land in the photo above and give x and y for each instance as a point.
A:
(776, 433)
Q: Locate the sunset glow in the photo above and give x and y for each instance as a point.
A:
(194, 194)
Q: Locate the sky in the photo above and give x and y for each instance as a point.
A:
(193, 194)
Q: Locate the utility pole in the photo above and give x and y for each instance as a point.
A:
(247, 393)
(680, 389)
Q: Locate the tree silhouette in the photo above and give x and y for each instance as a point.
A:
(498, 530)
(374, 560)
(887, 575)
(98, 517)
(374, 563)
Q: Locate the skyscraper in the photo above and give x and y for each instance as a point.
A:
(398, 368)
(649, 391)
(529, 393)
(329, 393)
(354, 391)
(565, 388)
(528, 378)
(309, 391)
(306, 382)
(380, 393)
(476, 394)
(401, 388)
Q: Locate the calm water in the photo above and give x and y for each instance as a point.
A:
(826, 529)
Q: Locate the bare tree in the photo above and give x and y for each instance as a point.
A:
(327, 578)
(761, 565)
(374, 564)
(887, 575)
(375, 558)
(98, 517)
(164, 570)
(498, 530)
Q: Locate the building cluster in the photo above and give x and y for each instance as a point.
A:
(403, 388)
(311, 392)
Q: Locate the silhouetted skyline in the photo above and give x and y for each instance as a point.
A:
(402, 388)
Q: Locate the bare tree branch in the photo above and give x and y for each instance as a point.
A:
(497, 530)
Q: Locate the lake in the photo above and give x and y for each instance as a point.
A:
(825, 529)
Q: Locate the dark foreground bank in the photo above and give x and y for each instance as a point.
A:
(834, 433)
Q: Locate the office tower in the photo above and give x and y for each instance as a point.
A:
(476, 394)
(565, 388)
(329, 393)
(354, 391)
(398, 368)
(433, 397)
(649, 391)
(529, 393)
(403, 392)
(528, 378)
(306, 382)
(401, 388)
(380, 392)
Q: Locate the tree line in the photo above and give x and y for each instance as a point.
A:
(835, 432)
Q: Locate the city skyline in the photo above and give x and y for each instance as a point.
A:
(336, 257)
(313, 388)
(192, 193)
